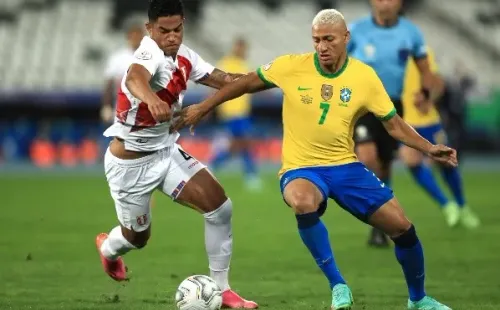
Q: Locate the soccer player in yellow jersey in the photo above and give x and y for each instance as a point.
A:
(236, 117)
(324, 94)
(427, 123)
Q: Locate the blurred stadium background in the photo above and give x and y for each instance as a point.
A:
(52, 58)
(54, 53)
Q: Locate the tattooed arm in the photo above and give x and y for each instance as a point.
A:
(218, 78)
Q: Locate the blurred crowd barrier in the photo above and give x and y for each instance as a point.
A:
(66, 130)
(49, 136)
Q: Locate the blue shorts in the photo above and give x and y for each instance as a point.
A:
(355, 188)
(434, 133)
(239, 127)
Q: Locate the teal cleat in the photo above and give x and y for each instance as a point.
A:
(427, 303)
(341, 297)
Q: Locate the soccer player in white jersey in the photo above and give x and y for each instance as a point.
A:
(144, 156)
(116, 66)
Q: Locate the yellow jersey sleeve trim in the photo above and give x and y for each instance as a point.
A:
(263, 78)
(388, 116)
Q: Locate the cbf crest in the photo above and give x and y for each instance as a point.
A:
(345, 94)
(326, 92)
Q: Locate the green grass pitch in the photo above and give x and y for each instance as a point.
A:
(49, 261)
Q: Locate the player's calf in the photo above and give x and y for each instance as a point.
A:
(304, 198)
(409, 253)
(205, 194)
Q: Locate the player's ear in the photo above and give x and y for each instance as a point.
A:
(347, 37)
(149, 28)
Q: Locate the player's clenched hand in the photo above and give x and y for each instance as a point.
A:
(443, 154)
(189, 116)
(160, 110)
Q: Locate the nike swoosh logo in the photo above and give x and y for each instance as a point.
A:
(303, 88)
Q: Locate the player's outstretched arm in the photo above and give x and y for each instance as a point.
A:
(403, 132)
(218, 78)
(245, 84)
(137, 83)
(191, 116)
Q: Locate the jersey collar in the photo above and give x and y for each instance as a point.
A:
(374, 21)
(174, 60)
(329, 75)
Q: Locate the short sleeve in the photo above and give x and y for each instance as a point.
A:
(273, 73)
(419, 49)
(201, 68)
(379, 102)
(148, 55)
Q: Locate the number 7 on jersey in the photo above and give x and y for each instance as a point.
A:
(325, 106)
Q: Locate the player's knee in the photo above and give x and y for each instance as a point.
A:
(302, 202)
(139, 239)
(406, 239)
(222, 215)
(398, 226)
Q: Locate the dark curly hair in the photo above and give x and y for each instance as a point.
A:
(162, 8)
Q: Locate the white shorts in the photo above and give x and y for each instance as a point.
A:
(132, 182)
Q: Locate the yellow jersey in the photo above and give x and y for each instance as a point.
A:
(239, 107)
(321, 109)
(412, 85)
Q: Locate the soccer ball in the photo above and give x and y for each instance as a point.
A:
(198, 293)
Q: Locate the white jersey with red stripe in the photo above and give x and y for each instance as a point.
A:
(133, 121)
